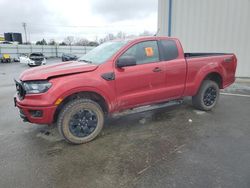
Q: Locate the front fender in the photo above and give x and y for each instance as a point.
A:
(87, 89)
(74, 84)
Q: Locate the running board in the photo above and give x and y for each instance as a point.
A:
(148, 108)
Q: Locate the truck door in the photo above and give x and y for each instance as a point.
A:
(172, 55)
(139, 84)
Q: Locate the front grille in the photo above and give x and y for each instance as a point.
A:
(20, 90)
(38, 62)
(37, 58)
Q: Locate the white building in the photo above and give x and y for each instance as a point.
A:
(209, 26)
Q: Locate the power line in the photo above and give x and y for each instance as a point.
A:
(83, 26)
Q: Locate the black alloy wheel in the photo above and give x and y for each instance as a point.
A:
(83, 123)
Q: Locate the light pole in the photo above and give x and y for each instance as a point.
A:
(165, 17)
(25, 32)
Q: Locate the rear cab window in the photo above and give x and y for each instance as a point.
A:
(168, 50)
(144, 52)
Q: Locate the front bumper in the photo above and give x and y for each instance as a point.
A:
(37, 63)
(27, 113)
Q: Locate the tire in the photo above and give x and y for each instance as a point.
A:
(207, 96)
(80, 121)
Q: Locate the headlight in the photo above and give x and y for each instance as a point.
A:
(33, 87)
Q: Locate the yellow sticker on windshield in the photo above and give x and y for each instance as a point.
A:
(149, 51)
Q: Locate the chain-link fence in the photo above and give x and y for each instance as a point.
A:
(49, 51)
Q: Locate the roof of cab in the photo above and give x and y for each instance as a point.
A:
(143, 38)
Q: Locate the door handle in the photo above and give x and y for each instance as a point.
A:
(157, 69)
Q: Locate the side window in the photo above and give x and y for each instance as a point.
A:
(169, 50)
(144, 52)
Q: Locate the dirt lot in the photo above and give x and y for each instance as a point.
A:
(177, 147)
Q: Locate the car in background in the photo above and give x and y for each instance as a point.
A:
(16, 59)
(5, 58)
(6, 42)
(33, 59)
(69, 57)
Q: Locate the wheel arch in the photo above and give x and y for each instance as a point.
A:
(92, 95)
(216, 77)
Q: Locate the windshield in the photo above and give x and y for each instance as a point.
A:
(103, 52)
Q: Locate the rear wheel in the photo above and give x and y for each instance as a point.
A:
(80, 121)
(207, 96)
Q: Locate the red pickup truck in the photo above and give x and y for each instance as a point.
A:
(120, 75)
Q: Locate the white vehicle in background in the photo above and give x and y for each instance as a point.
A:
(33, 59)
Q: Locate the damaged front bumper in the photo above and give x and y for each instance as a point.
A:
(35, 114)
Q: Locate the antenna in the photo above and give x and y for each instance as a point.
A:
(157, 32)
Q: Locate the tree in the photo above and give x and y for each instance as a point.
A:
(82, 42)
(131, 36)
(102, 40)
(62, 44)
(93, 43)
(146, 33)
(120, 35)
(27, 43)
(42, 42)
(52, 42)
(38, 43)
(69, 40)
(110, 36)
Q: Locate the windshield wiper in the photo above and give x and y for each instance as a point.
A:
(86, 61)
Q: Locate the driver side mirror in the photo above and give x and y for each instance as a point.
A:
(126, 61)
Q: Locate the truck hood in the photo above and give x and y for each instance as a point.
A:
(59, 69)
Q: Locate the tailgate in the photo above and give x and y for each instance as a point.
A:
(229, 62)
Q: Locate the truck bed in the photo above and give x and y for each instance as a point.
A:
(199, 63)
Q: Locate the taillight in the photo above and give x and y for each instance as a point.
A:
(228, 59)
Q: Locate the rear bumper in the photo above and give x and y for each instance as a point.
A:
(230, 82)
(27, 113)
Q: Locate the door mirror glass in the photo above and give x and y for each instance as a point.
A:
(126, 61)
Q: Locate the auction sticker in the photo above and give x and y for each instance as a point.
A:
(149, 51)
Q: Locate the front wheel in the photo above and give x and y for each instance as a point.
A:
(207, 96)
(80, 121)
